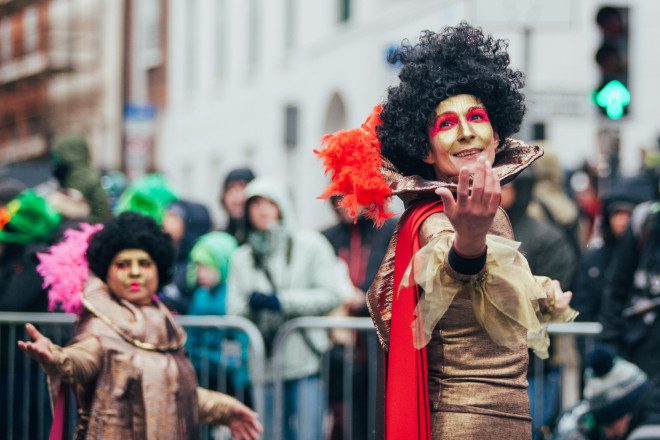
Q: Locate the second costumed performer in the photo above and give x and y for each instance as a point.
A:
(454, 304)
(127, 363)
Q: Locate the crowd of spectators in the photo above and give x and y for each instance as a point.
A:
(603, 243)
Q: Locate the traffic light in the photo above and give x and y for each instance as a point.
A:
(612, 95)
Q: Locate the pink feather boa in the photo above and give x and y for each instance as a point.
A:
(64, 269)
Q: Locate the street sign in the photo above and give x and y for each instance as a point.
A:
(139, 131)
(569, 103)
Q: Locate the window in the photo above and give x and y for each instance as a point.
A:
(253, 35)
(221, 38)
(335, 116)
(151, 33)
(344, 11)
(30, 29)
(290, 23)
(291, 126)
(191, 45)
(5, 40)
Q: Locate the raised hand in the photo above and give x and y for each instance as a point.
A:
(472, 214)
(562, 299)
(244, 423)
(39, 350)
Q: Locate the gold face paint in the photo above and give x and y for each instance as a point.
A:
(133, 276)
(460, 133)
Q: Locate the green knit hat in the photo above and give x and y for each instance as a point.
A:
(214, 250)
(28, 219)
(150, 196)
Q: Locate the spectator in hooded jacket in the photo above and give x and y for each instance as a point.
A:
(280, 273)
(215, 352)
(73, 171)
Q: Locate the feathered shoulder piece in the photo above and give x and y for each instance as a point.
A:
(64, 269)
(352, 159)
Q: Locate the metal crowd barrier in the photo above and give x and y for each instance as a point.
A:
(25, 408)
(25, 411)
(24, 402)
(329, 323)
(562, 333)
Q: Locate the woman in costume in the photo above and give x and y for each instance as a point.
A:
(454, 303)
(131, 376)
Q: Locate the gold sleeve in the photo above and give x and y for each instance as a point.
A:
(547, 310)
(79, 362)
(214, 408)
(504, 294)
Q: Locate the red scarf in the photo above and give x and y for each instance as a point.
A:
(407, 413)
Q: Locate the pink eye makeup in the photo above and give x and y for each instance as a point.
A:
(477, 114)
(449, 120)
(444, 122)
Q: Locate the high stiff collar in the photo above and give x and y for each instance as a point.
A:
(130, 321)
(511, 158)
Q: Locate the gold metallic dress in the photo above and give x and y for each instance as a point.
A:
(476, 329)
(131, 376)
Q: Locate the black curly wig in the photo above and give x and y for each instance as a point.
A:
(131, 231)
(457, 60)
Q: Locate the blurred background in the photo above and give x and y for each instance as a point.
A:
(171, 108)
(195, 88)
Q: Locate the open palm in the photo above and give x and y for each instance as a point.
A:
(244, 423)
(472, 213)
(39, 350)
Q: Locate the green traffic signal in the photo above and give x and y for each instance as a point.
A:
(613, 97)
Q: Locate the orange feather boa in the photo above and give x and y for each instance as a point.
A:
(352, 159)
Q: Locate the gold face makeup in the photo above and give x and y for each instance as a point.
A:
(460, 133)
(133, 276)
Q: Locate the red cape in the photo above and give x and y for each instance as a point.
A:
(407, 412)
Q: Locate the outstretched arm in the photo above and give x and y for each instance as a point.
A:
(219, 408)
(41, 350)
(79, 362)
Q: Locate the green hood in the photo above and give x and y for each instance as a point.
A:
(72, 149)
(27, 219)
(277, 193)
(215, 250)
(150, 196)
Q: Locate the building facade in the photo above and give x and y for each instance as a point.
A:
(87, 66)
(60, 72)
(258, 82)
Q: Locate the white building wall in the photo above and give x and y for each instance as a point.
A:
(215, 122)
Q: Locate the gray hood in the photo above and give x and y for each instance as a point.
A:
(275, 191)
